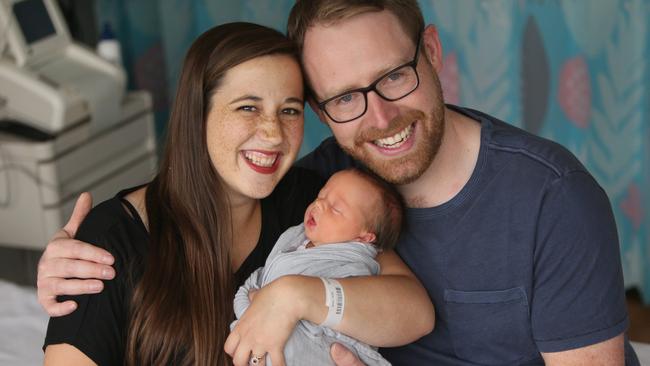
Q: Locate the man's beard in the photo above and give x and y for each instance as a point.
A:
(407, 168)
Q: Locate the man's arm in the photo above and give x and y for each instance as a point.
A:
(65, 258)
(608, 353)
(389, 310)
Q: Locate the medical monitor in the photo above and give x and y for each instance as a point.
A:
(35, 30)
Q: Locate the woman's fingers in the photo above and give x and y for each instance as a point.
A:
(231, 343)
(242, 354)
(277, 357)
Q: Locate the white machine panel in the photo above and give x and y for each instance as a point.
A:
(40, 181)
(50, 82)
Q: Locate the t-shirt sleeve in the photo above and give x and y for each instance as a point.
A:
(578, 297)
(97, 326)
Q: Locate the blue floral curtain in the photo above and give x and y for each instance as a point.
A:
(574, 71)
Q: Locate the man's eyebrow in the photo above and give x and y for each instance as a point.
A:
(253, 98)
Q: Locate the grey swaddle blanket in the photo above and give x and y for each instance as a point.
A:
(309, 344)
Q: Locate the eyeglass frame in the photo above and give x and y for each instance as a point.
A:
(373, 86)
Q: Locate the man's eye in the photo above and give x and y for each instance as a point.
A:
(395, 76)
(344, 99)
(247, 108)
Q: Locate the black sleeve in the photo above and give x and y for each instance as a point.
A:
(98, 326)
(327, 159)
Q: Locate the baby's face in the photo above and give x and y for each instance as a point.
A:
(342, 210)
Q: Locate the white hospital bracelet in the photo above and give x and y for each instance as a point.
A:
(335, 302)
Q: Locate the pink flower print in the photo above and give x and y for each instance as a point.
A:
(574, 93)
(449, 79)
(631, 206)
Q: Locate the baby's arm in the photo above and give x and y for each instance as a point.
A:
(241, 301)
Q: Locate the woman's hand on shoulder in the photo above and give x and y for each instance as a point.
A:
(71, 267)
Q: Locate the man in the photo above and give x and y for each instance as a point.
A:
(513, 239)
(511, 236)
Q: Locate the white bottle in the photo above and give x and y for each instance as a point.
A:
(108, 46)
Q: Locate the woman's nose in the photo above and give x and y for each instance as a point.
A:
(270, 129)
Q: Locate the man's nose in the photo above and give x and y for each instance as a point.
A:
(380, 111)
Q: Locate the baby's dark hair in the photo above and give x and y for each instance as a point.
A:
(389, 216)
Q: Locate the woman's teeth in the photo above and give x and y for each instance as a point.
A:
(260, 159)
(396, 140)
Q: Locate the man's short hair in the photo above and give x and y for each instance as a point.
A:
(387, 219)
(307, 13)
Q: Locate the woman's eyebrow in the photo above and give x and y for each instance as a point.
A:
(253, 98)
(294, 100)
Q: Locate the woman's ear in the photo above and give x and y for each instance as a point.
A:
(432, 47)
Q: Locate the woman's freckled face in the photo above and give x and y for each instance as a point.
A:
(255, 124)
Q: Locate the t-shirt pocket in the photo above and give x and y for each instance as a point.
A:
(490, 327)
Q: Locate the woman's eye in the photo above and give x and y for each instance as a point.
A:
(336, 211)
(292, 111)
(247, 108)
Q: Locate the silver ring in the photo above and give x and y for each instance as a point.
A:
(255, 360)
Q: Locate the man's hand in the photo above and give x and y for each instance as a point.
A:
(65, 258)
(343, 356)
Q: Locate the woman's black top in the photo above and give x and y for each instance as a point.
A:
(98, 326)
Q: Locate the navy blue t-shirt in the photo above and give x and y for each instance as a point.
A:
(525, 259)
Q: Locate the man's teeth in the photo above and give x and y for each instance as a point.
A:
(260, 159)
(396, 140)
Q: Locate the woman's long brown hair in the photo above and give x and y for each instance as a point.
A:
(182, 306)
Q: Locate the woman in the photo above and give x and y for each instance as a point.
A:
(224, 193)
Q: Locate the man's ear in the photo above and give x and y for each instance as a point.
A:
(314, 107)
(367, 237)
(432, 47)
